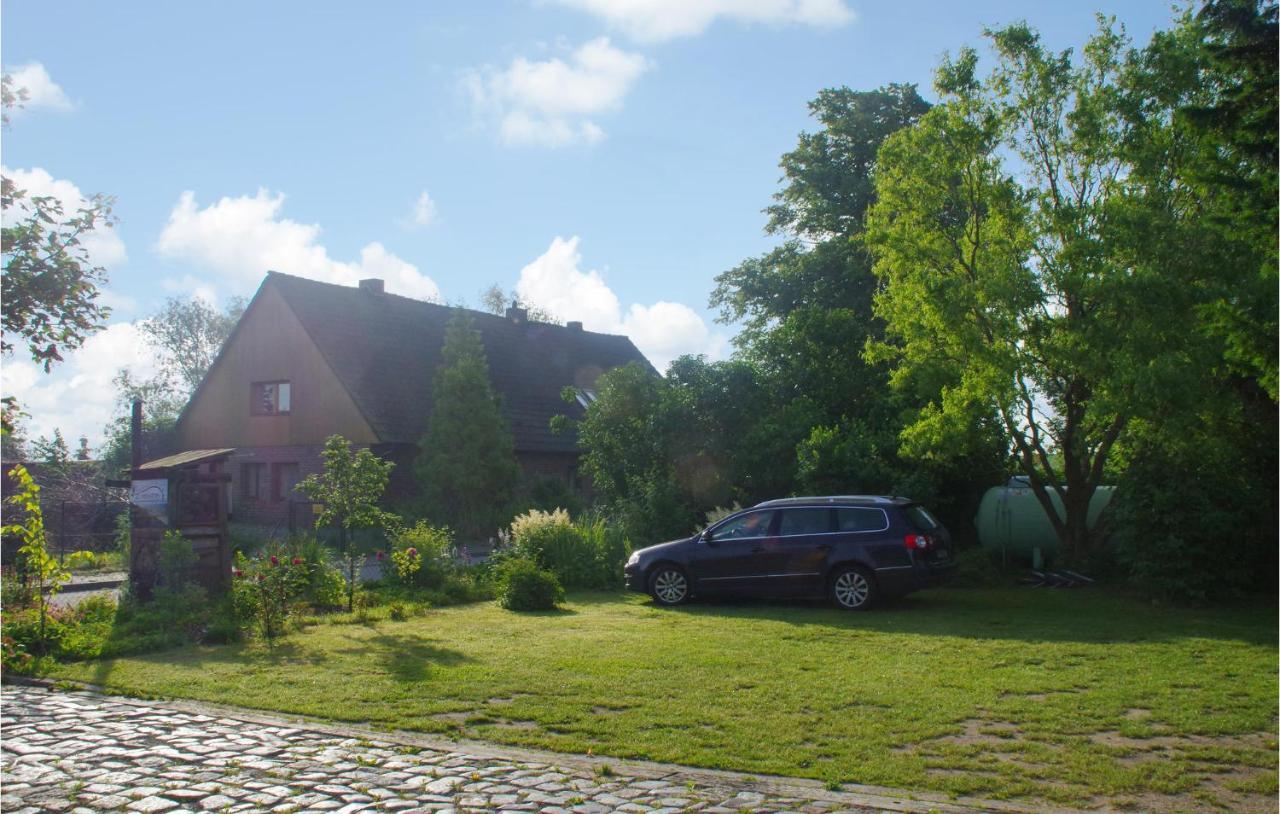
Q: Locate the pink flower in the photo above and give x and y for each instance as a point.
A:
(381, 556)
(236, 572)
(297, 561)
(275, 560)
(413, 552)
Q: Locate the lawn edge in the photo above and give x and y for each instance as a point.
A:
(851, 794)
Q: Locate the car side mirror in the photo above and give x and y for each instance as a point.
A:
(707, 537)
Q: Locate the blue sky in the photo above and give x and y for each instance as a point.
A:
(606, 158)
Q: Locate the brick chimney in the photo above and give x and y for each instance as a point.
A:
(574, 326)
(373, 285)
(517, 314)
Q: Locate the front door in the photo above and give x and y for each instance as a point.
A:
(732, 558)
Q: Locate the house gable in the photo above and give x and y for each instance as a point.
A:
(270, 344)
(386, 350)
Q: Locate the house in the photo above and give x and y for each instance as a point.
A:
(309, 360)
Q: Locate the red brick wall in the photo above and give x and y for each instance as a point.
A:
(270, 512)
(273, 515)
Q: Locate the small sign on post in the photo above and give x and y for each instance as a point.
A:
(152, 494)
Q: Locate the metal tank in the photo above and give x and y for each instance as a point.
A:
(1012, 523)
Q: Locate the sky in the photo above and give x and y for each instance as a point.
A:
(605, 159)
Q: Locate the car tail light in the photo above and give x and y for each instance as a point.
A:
(918, 542)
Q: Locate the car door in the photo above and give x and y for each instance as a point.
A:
(798, 560)
(729, 557)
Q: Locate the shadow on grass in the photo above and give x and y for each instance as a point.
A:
(1022, 614)
(408, 659)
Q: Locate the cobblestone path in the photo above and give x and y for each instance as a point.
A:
(81, 752)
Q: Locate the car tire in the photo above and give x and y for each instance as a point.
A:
(669, 585)
(853, 588)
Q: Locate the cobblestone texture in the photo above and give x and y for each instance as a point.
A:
(80, 752)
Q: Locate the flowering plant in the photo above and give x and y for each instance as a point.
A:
(422, 555)
(265, 589)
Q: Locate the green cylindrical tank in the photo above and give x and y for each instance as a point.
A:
(1012, 522)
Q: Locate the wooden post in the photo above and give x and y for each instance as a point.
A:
(135, 435)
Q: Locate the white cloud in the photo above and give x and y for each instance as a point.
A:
(548, 103)
(42, 92)
(422, 214)
(662, 331)
(241, 239)
(77, 396)
(103, 244)
(660, 20)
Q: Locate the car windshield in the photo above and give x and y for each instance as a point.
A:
(919, 517)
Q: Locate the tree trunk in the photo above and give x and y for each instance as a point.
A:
(351, 568)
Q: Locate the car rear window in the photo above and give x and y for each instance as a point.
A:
(805, 521)
(920, 518)
(861, 520)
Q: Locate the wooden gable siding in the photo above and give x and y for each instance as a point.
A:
(270, 345)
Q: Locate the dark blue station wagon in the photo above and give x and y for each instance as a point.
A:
(854, 549)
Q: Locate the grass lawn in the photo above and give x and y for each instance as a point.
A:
(1076, 697)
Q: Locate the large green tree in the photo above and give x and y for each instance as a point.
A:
(1032, 263)
(466, 467)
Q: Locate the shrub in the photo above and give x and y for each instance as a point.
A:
(175, 561)
(587, 554)
(323, 586)
(422, 556)
(265, 589)
(524, 586)
(609, 549)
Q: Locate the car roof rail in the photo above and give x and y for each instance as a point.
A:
(822, 500)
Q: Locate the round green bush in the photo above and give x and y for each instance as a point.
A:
(523, 586)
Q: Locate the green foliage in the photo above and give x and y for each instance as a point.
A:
(1194, 517)
(1220, 65)
(175, 562)
(41, 568)
(50, 286)
(586, 554)
(348, 491)
(1027, 234)
(546, 493)
(467, 467)
(525, 586)
(324, 585)
(265, 590)
(422, 556)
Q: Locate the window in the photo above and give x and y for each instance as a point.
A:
(805, 521)
(283, 478)
(755, 524)
(269, 398)
(861, 520)
(253, 481)
(921, 519)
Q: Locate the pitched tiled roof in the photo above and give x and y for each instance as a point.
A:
(385, 349)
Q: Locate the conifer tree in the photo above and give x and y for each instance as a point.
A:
(467, 467)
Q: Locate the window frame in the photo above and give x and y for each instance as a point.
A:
(256, 392)
(770, 531)
(883, 514)
(262, 476)
(831, 526)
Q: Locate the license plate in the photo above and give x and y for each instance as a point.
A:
(942, 555)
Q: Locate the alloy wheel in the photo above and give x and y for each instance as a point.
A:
(670, 586)
(852, 589)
